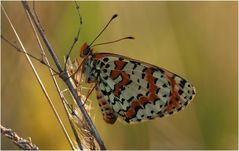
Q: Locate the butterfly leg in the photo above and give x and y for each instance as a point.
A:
(89, 93)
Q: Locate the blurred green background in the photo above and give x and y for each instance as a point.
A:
(197, 40)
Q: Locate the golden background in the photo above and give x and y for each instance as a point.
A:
(197, 40)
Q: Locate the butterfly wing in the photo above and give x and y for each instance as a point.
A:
(137, 91)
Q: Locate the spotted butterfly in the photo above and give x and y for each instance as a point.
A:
(132, 89)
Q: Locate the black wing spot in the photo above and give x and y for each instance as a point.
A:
(166, 104)
(121, 59)
(152, 111)
(134, 66)
(106, 59)
(101, 64)
(170, 112)
(182, 83)
(138, 108)
(126, 120)
(106, 93)
(107, 66)
(134, 62)
(164, 85)
(138, 120)
(180, 92)
(115, 100)
(180, 108)
(130, 81)
(147, 93)
(122, 88)
(155, 80)
(157, 91)
(130, 99)
(143, 75)
(193, 92)
(104, 70)
(138, 80)
(105, 78)
(144, 69)
(105, 84)
(161, 70)
(165, 95)
(139, 87)
(139, 95)
(170, 93)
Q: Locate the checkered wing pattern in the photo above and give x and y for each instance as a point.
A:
(134, 90)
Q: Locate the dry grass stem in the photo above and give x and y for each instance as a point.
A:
(25, 144)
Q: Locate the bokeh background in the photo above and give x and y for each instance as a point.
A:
(197, 40)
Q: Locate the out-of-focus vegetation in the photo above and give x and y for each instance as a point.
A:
(197, 40)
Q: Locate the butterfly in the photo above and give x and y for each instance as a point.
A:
(132, 89)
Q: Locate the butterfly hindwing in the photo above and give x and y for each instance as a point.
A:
(139, 91)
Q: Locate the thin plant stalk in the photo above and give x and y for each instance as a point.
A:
(39, 81)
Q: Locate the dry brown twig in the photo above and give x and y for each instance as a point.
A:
(25, 144)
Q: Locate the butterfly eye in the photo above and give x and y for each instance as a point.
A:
(85, 50)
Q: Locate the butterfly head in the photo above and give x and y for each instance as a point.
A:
(85, 50)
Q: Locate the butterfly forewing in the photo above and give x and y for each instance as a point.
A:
(137, 91)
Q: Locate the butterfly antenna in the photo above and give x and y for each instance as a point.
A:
(130, 37)
(113, 17)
